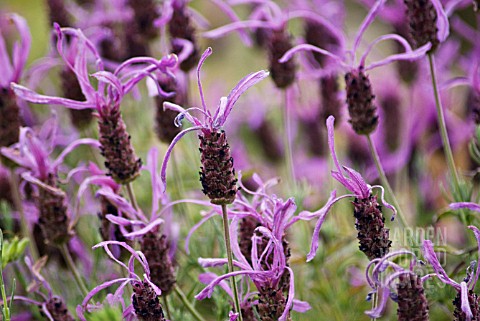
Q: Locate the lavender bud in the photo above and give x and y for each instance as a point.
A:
(217, 173)
(162, 272)
(412, 303)
(391, 105)
(110, 231)
(180, 26)
(370, 224)
(58, 310)
(283, 74)
(136, 44)
(10, 121)
(121, 161)
(112, 48)
(245, 232)
(422, 18)
(361, 109)
(145, 302)
(314, 136)
(317, 35)
(145, 13)
(271, 304)
(407, 69)
(53, 219)
(58, 13)
(330, 102)
(268, 139)
(473, 300)
(165, 118)
(71, 89)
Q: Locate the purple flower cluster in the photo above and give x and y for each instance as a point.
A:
(71, 187)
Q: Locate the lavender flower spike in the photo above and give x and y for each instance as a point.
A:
(144, 303)
(466, 302)
(217, 175)
(105, 98)
(158, 244)
(370, 223)
(408, 291)
(52, 306)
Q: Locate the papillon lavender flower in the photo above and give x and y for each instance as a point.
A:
(402, 285)
(427, 21)
(144, 303)
(157, 244)
(267, 265)
(466, 302)
(32, 153)
(361, 107)
(370, 222)
(11, 71)
(217, 172)
(58, 13)
(52, 307)
(120, 158)
(270, 17)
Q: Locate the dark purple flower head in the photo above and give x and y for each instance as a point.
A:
(140, 285)
(467, 300)
(348, 60)
(401, 284)
(427, 21)
(364, 200)
(52, 306)
(112, 86)
(33, 152)
(267, 264)
(211, 122)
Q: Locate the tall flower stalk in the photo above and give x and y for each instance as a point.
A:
(428, 23)
(217, 173)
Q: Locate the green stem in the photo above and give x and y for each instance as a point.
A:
(187, 303)
(26, 231)
(180, 188)
(167, 308)
(287, 141)
(73, 269)
(131, 195)
(230, 261)
(443, 128)
(384, 180)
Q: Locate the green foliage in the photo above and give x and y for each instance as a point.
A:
(13, 249)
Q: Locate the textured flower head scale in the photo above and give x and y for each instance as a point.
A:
(209, 123)
(466, 302)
